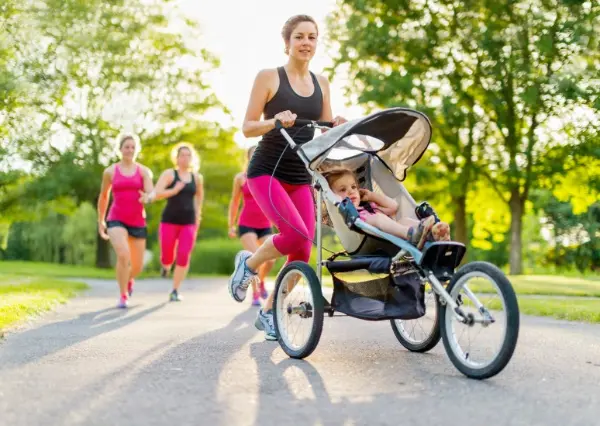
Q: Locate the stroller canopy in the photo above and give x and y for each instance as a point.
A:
(399, 136)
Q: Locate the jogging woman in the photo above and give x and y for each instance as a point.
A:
(183, 188)
(125, 225)
(277, 178)
(253, 227)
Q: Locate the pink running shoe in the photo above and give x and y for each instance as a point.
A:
(263, 291)
(256, 299)
(123, 302)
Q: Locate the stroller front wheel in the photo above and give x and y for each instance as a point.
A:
(299, 309)
(492, 320)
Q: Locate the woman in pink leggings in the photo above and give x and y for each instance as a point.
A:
(183, 188)
(125, 226)
(253, 228)
(277, 178)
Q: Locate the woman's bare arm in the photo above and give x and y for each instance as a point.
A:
(199, 197)
(234, 203)
(147, 176)
(327, 114)
(253, 125)
(166, 178)
(102, 205)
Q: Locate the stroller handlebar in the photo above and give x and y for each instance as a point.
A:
(309, 123)
(302, 122)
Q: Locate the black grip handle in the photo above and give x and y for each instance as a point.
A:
(303, 122)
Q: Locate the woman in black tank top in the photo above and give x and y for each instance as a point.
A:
(277, 178)
(184, 191)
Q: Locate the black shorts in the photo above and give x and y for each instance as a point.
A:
(133, 231)
(260, 232)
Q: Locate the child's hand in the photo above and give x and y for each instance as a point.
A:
(365, 194)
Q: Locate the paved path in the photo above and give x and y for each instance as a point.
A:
(202, 362)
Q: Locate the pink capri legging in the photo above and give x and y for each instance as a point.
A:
(182, 235)
(291, 208)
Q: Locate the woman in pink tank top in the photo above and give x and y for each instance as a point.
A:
(252, 227)
(125, 225)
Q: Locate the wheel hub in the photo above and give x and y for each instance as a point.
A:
(303, 310)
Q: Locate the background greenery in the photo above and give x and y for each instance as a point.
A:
(511, 88)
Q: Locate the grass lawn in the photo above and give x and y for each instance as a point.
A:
(23, 296)
(28, 288)
(62, 271)
(53, 270)
(541, 285)
(586, 310)
(566, 306)
(70, 271)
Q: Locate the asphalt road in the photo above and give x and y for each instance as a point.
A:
(202, 362)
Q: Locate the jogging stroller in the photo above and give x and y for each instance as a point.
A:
(396, 281)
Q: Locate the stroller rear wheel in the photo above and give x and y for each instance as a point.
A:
(421, 334)
(299, 309)
(491, 319)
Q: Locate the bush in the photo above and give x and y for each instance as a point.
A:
(215, 256)
(79, 236)
(210, 256)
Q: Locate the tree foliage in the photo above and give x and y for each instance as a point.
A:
(520, 75)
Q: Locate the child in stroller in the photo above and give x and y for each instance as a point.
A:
(378, 210)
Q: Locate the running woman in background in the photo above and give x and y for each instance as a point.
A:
(125, 225)
(183, 187)
(253, 227)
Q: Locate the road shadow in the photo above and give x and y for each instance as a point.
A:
(31, 345)
(182, 386)
(295, 391)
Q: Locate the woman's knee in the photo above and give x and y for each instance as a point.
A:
(292, 240)
(166, 257)
(123, 255)
(136, 269)
(183, 258)
(302, 251)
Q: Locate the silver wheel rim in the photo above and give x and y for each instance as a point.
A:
(469, 334)
(419, 330)
(294, 329)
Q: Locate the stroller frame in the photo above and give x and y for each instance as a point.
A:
(388, 132)
(405, 248)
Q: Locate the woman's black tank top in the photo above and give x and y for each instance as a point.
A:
(290, 169)
(180, 208)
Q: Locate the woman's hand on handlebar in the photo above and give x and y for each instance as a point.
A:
(286, 118)
(339, 120)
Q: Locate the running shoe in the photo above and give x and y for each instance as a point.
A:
(130, 287)
(123, 302)
(242, 277)
(174, 296)
(264, 321)
(263, 291)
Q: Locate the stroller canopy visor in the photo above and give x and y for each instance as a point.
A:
(399, 136)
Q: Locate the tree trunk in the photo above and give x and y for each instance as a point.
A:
(460, 219)
(102, 252)
(516, 224)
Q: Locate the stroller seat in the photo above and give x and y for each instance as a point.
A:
(372, 174)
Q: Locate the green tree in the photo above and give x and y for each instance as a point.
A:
(105, 67)
(527, 69)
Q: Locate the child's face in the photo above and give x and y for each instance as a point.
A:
(346, 186)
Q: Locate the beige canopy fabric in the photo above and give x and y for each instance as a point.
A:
(399, 136)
